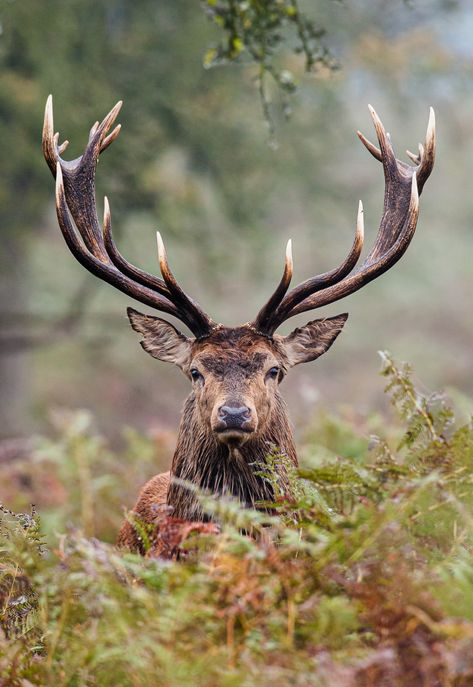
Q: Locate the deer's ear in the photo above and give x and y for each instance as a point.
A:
(161, 339)
(308, 343)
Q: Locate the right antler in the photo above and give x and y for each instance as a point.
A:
(93, 247)
(403, 185)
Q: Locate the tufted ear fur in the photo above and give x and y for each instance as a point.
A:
(308, 343)
(160, 339)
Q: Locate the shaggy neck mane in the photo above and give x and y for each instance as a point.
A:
(200, 458)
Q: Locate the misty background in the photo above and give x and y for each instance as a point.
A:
(194, 160)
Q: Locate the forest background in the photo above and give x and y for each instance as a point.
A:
(196, 159)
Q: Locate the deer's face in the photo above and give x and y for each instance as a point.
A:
(235, 379)
(235, 372)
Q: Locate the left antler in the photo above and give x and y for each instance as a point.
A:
(403, 185)
(92, 245)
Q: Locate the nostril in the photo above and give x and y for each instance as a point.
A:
(232, 413)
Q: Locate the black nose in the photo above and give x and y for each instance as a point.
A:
(234, 417)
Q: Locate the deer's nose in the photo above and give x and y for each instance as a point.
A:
(234, 416)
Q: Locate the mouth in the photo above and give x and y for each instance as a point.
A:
(233, 435)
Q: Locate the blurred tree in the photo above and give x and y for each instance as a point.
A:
(192, 152)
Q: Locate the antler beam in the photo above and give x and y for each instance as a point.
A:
(403, 185)
(93, 246)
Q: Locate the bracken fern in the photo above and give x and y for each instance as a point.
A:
(364, 577)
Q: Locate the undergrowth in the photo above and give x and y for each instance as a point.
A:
(364, 578)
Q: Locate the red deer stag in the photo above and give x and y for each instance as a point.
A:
(234, 414)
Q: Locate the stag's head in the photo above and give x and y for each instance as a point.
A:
(235, 372)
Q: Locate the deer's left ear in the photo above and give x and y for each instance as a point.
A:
(308, 343)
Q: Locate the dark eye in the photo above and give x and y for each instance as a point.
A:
(195, 374)
(273, 373)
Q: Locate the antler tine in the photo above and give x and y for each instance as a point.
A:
(427, 152)
(403, 185)
(375, 152)
(372, 270)
(268, 319)
(102, 270)
(93, 129)
(386, 150)
(122, 263)
(265, 314)
(48, 140)
(110, 138)
(93, 245)
(184, 302)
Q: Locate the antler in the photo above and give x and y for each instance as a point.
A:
(403, 184)
(94, 247)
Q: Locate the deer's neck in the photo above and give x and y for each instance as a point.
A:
(200, 458)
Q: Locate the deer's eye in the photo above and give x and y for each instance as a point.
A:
(195, 374)
(273, 373)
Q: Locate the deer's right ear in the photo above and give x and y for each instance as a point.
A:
(160, 339)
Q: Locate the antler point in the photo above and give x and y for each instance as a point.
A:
(48, 126)
(289, 259)
(360, 223)
(59, 182)
(161, 247)
(414, 191)
(430, 126)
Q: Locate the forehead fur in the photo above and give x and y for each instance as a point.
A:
(235, 346)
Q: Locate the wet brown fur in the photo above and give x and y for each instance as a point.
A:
(234, 357)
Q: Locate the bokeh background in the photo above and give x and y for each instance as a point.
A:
(193, 160)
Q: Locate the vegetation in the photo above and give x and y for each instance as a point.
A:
(365, 578)
(257, 31)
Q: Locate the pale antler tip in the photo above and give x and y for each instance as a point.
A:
(430, 135)
(63, 147)
(414, 192)
(161, 248)
(117, 107)
(375, 118)
(289, 259)
(106, 210)
(48, 117)
(59, 181)
(360, 222)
